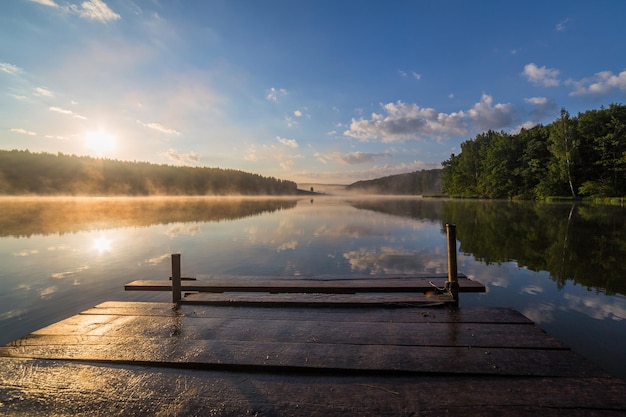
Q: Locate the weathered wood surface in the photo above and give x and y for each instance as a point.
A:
(154, 359)
(260, 299)
(328, 285)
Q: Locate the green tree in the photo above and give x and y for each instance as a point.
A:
(563, 146)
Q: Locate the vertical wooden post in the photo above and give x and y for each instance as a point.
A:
(453, 279)
(176, 285)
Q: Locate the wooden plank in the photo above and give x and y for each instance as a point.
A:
(378, 315)
(246, 356)
(306, 286)
(289, 331)
(64, 388)
(377, 300)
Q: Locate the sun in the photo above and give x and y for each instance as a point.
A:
(100, 142)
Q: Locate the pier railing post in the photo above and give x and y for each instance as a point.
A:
(176, 285)
(452, 285)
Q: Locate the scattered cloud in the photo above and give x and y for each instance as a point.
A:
(159, 127)
(542, 76)
(252, 154)
(562, 25)
(59, 137)
(66, 111)
(65, 274)
(95, 10)
(182, 158)
(601, 83)
(40, 91)
(485, 116)
(273, 94)
(49, 3)
(297, 113)
(158, 259)
(539, 101)
(9, 68)
(413, 74)
(292, 143)
(352, 158)
(23, 131)
(403, 121)
(290, 122)
(89, 9)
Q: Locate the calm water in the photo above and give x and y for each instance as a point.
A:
(561, 265)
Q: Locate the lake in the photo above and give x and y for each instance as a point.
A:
(562, 265)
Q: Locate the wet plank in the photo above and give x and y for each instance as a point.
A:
(60, 388)
(399, 300)
(376, 315)
(327, 285)
(342, 331)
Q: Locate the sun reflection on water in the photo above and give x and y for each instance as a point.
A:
(102, 244)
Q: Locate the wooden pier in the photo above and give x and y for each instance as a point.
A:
(281, 352)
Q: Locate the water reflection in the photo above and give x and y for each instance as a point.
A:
(102, 244)
(585, 244)
(24, 217)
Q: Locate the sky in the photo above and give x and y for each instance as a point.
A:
(317, 91)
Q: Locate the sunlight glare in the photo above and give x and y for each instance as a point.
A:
(99, 141)
(102, 244)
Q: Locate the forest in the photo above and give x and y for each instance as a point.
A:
(575, 157)
(413, 183)
(28, 173)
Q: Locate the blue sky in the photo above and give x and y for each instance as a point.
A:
(310, 91)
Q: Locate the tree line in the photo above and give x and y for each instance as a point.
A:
(581, 156)
(28, 173)
(422, 182)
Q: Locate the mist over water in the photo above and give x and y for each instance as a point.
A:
(558, 264)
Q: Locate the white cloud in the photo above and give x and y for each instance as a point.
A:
(413, 74)
(562, 25)
(543, 76)
(406, 121)
(89, 9)
(9, 68)
(182, 158)
(601, 83)
(159, 127)
(66, 111)
(95, 10)
(23, 131)
(49, 3)
(252, 154)
(539, 101)
(274, 93)
(40, 91)
(297, 113)
(484, 116)
(292, 143)
(351, 158)
(290, 122)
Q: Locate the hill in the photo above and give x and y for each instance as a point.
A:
(413, 183)
(27, 173)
